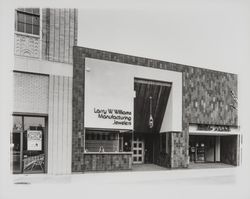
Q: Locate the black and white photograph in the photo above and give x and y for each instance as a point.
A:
(125, 99)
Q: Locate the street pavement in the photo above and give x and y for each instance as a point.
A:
(180, 183)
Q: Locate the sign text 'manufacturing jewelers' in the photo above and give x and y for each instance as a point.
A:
(119, 116)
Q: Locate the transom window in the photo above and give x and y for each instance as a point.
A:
(28, 20)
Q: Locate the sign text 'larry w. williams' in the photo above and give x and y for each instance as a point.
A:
(119, 116)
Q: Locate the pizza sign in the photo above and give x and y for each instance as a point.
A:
(34, 140)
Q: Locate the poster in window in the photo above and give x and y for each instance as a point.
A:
(34, 139)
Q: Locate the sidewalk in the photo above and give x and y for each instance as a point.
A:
(172, 184)
(195, 176)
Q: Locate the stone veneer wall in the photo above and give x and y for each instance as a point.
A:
(229, 151)
(164, 160)
(206, 99)
(107, 162)
(78, 111)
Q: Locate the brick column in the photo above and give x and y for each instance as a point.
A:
(78, 111)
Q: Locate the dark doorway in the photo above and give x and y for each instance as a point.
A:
(144, 148)
(149, 106)
(202, 148)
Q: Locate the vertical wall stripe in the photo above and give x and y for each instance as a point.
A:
(60, 127)
(69, 33)
(50, 129)
(57, 32)
(76, 26)
(55, 124)
(61, 29)
(66, 39)
(64, 124)
(66, 141)
(64, 14)
(47, 38)
(51, 34)
(62, 34)
(66, 97)
(69, 141)
(60, 118)
(62, 132)
(44, 31)
(71, 42)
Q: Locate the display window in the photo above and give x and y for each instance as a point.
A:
(28, 144)
(202, 149)
(107, 141)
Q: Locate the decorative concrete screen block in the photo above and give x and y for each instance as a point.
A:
(27, 45)
(31, 93)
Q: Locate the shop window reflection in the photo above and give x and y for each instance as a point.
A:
(33, 144)
(107, 141)
(28, 144)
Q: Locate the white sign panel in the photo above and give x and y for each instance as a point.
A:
(109, 96)
(34, 140)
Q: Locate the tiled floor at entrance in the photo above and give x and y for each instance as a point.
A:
(147, 167)
(208, 165)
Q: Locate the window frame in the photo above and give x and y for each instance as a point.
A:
(45, 147)
(35, 24)
(106, 135)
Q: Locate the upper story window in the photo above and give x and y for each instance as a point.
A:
(28, 20)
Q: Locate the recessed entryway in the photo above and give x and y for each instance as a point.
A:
(150, 102)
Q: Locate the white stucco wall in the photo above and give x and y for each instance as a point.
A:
(33, 65)
(167, 123)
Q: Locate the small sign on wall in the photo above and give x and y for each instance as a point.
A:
(34, 140)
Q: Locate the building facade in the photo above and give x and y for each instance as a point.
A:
(41, 137)
(193, 111)
(78, 109)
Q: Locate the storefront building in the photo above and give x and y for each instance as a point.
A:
(78, 109)
(154, 111)
(42, 113)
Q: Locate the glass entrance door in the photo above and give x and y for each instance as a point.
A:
(16, 153)
(138, 151)
(33, 145)
(17, 144)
